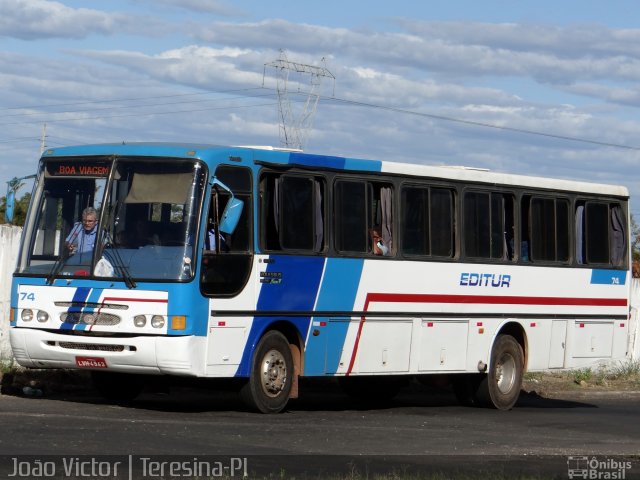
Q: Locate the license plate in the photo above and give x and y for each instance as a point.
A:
(91, 362)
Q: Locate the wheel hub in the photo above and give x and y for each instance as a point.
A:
(274, 373)
(506, 373)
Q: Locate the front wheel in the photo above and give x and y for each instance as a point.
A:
(501, 386)
(269, 385)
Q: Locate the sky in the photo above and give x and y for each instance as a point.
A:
(544, 88)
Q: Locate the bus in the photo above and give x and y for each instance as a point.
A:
(263, 265)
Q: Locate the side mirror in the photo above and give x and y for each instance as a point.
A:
(231, 215)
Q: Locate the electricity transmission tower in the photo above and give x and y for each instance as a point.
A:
(295, 124)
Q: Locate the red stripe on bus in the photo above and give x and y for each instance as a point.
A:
(494, 300)
(478, 300)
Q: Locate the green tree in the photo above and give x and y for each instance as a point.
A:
(19, 209)
(635, 240)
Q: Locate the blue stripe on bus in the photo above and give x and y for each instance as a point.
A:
(608, 277)
(291, 284)
(93, 297)
(79, 296)
(310, 160)
(337, 293)
(338, 163)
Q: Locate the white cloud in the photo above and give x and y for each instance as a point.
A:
(449, 70)
(41, 19)
(202, 6)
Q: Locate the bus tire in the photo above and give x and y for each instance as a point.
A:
(269, 385)
(500, 388)
(117, 387)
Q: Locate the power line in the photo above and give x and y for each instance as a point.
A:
(481, 124)
(134, 98)
(148, 114)
(122, 107)
(20, 139)
(332, 99)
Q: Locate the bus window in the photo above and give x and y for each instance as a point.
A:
(361, 207)
(427, 221)
(488, 225)
(59, 210)
(292, 212)
(227, 258)
(600, 233)
(351, 220)
(549, 229)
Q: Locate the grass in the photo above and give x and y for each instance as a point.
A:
(7, 366)
(627, 371)
(622, 376)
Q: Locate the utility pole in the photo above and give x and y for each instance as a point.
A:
(43, 145)
(295, 126)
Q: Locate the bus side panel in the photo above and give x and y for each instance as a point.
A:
(289, 285)
(340, 282)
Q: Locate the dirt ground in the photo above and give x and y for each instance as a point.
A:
(547, 384)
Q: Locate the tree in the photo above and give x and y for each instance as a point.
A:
(19, 210)
(635, 240)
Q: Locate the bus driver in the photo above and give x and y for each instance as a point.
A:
(82, 237)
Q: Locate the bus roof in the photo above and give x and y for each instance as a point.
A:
(288, 156)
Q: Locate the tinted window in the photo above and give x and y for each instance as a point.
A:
(549, 229)
(427, 221)
(351, 219)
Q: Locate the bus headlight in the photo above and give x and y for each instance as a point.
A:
(42, 316)
(26, 315)
(140, 321)
(157, 321)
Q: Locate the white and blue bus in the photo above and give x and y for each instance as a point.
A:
(265, 265)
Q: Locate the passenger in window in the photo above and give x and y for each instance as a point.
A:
(379, 248)
(211, 239)
(82, 237)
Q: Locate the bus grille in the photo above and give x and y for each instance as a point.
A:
(91, 346)
(112, 306)
(89, 318)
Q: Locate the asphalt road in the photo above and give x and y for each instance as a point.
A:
(325, 431)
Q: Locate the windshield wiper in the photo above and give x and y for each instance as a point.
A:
(57, 266)
(118, 263)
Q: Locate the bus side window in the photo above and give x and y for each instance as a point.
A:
(225, 272)
(488, 225)
(600, 233)
(549, 229)
(361, 206)
(427, 221)
(292, 212)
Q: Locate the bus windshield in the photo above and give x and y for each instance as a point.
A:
(124, 218)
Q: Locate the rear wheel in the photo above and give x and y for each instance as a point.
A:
(501, 387)
(116, 386)
(269, 384)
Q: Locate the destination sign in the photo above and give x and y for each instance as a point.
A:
(77, 169)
